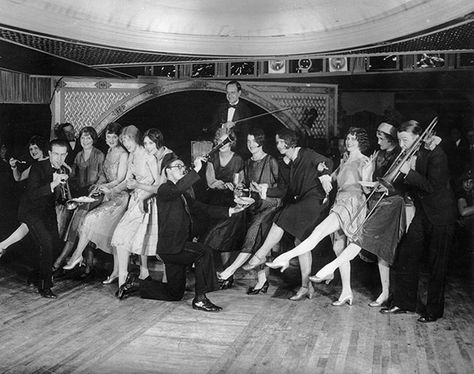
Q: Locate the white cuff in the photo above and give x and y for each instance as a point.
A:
(325, 177)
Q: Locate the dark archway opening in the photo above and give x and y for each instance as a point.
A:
(186, 116)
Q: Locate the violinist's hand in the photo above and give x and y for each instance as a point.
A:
(229, 186)
(228, 125)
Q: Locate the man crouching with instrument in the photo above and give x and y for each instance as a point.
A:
(37, 210)
(427, 176)
(176, 210)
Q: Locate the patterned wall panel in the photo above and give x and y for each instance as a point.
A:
(83, 108)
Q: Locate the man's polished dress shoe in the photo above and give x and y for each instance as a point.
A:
(393, 310)
(47, 293)
(427, 318)
(205, 305)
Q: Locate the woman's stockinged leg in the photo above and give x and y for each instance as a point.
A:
(384, 271)
(238, 262)
(273, 238)
(15, 236)
(328, 226)
(123, 256)
(346, 255)
(144, 273)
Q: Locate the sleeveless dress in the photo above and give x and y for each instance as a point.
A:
(85, 174)
(350, 204)
(260, 215)
(137, 231)
(226, 235)
(100, 223)
(385, 227)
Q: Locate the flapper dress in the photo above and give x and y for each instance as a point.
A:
(305, 194)
(225, 235)
(85, 174)
(100, 223)
(137, 231)
(385, 226)
(259, 216)
(350, 204)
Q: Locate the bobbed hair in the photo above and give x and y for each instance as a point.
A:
(156, 136)
(361, 136)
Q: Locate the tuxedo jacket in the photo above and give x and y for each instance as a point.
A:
(174, 215)
(241, 129)
(430, 188)
(39, 200)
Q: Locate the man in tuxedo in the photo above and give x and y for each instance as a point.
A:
(37, 210)
(430, 233)
(229, 113)
(176, 210)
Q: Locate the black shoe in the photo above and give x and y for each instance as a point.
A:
(393, 310)
(205, 305)
(130, 286)
(256, 291)
(427, 318)
(47, 293)
(227, 283)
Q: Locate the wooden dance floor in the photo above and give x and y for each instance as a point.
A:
(87, 330)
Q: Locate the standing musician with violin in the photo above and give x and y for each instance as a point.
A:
(426, 175)
(37, 210)
(232, 111)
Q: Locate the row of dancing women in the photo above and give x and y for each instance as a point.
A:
(290, 196)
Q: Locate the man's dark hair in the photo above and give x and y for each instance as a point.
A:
(59, 143)
(237, 84)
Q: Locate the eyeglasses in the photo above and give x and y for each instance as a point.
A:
(180, 167)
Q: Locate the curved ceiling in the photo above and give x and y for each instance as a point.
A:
(231, 28)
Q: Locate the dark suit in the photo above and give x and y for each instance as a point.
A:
(37, 210)
(241, 129)
(429, 234)
(175, 230)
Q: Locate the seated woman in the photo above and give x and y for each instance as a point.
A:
(99, 224)
(38, 151)
(137, 231)
(260, 176)
(85, 173)
(346, 214)
(224, 235)
(305, 189)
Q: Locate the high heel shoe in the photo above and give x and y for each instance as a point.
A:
(276, 265)
(345, 300)
(248, 266)
(227, 283)
(72, 265)
(303, 293)
(256, 291)
(327, 279)
(110, 279)
(377, 303)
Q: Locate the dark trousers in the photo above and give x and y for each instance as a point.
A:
(176, 264)
(44, 230)
(423, 240)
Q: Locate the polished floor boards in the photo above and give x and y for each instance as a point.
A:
(87, 330)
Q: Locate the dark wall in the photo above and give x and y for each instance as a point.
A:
(19, 122)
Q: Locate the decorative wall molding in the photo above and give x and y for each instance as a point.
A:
(97, 102)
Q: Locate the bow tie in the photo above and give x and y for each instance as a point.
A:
(232, 106)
